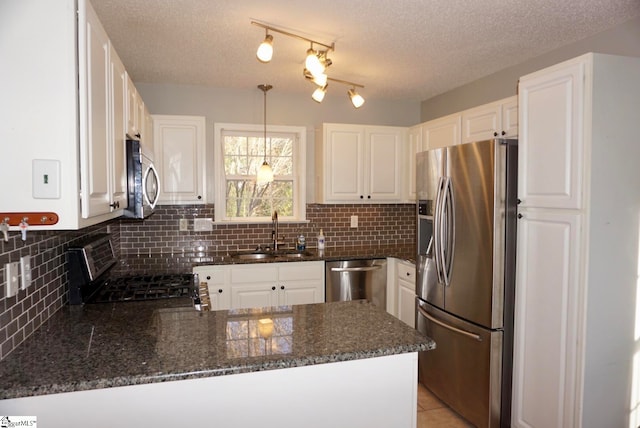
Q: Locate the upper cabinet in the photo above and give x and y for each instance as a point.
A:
(441, 132)
(359, 163)
(68, 116)
(415, 145)
(499, 119)
(179, 145)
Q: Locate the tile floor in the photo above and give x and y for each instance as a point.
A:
(433, 413)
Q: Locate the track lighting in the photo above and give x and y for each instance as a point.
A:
(356, 99)
(265, 50)
(316, 63)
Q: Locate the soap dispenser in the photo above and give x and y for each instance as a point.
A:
(321, 240)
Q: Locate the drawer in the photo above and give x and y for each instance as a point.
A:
(210, 275)
(407, 272)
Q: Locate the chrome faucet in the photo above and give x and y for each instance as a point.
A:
(274, 230)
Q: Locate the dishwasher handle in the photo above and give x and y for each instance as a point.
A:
(449, 327)
(356, 269)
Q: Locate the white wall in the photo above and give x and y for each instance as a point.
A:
(246, 106)
(621, 40)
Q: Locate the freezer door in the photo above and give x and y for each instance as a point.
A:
(464, 370)
(475, 291)
(429, 173)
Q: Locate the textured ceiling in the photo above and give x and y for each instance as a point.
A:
(398, 49)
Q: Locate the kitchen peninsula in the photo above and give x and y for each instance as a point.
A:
(160, 363)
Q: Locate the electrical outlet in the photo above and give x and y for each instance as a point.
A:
(11, 273)
(184, 225)
(25, 269)
(354, 221)
(202, 224)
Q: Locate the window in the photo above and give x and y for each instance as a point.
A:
(239, 152)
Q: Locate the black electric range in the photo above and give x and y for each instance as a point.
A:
(89, 267)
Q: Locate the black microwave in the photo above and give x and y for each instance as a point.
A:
(143, 181)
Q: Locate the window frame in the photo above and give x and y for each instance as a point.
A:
(299, 170)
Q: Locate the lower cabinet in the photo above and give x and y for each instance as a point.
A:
(263, 284)
(406, 292)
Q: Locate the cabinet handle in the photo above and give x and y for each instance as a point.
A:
(495, 134)
(361, 197)
(282, 287)
(408, 273)
(273, 288)
(208, 277)
(519, 201)
(115, 205)
(369, 197)
(219, 290)
(138, 135)
(520, 216)
(199, 197)
(504, 133)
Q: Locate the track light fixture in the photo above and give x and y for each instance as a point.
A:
(356, 99)
(316, 63)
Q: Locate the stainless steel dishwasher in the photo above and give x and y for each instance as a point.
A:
(357, 279)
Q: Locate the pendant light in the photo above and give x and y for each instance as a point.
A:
(265, 173)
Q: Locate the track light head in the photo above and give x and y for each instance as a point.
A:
(356, 99)
(319, 93)
(313, 63)
(265, 50)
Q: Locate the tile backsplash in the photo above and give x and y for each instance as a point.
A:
(160, 236)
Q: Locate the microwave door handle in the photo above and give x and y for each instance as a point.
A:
(151, 170)
(449, 327)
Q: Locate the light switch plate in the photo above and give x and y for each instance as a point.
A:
(354, 221)
(45, 178)
(11, 274)
(184, 225)
(25, 269)
(202, 224)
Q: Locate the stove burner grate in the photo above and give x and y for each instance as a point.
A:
(145, 287)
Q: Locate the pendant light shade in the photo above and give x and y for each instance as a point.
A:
(319, 93)
(356, 99)
(265, 173)
(313, 64)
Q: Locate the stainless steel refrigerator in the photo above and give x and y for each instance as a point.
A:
(465, 263)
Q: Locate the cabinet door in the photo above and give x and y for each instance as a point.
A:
(216, 279)
(510, 117)
(547, 320)
(180, 157)
(94, 116)
(343, 162)
(147, 134)
(301, 283)
(407, 303)
(551, 125)
(257, 295)
(414, 146)
(383, 164)
(132, 109)
(442, 132)
(118, 107)
(482, 123)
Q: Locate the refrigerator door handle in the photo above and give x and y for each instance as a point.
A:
(438, 231)
(449, 231)
(449, 327)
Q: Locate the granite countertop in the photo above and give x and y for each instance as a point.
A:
(118, 344)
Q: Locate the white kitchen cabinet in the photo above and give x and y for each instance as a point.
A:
(406, 292)
(118, 76)
(179, 143)
(72, 164)
(415, 146)
(359, 163)
(577, 265)
(133, 110)
(147, 131)
(441, 132)
(263, 284)
(497, 119)
(217, 281)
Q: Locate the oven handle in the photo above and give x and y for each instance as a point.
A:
(449, 327)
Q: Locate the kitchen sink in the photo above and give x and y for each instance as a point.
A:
(254, 256)
(298, 255)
